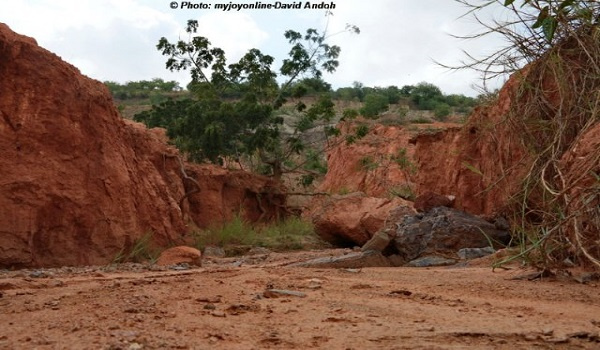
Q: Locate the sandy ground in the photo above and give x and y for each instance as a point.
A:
(236, 303)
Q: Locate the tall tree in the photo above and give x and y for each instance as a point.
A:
(213, 127)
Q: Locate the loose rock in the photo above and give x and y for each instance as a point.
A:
(444, 231)
(180, 255)
(353, 260)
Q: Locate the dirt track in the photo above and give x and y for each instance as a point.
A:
(224, 306)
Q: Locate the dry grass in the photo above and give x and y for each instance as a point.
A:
(558, 101)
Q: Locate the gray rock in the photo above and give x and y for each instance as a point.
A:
(214, 252)
(353, 260)
(444, 231)
(474, 253)
(428, 261)
(378, 242)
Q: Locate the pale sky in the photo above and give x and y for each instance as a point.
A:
(116, 39)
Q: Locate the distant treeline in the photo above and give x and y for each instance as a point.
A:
(142, 89)
(374, 100)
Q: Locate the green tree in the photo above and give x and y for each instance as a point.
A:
(426, 96)
(374, 104)
(212, 126)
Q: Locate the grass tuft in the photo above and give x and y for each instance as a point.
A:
(292, 233)
(140, 251)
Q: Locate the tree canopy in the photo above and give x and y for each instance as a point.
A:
(236, 107)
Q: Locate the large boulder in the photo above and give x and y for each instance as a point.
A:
(351, 220)
(443, 232)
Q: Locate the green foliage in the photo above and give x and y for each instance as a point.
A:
(235, 110)
(315, 162)
(309, 87)
(374, 104)
(142, 89)
(401, 158)
(360, 131)
(552, 13)
(406, 90)
(441, 111)
(367, 163)
(290, 234)
(201, 128)
(426, 96)
(421, 120)
(350, 114)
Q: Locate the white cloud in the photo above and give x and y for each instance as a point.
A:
(235, 32)
(116, 39)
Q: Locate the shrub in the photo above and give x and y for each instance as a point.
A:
(374, 104)
(441, 111)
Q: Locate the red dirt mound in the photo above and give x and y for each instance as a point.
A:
(479, 163)
(77, 182)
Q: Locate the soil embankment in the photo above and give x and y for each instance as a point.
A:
(78, 184)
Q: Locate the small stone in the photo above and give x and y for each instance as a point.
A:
(531, 337)
(428, 261)
(38, 274)
(210, 307)
(351, 260)
(579, 335)
(179, 255)
(474, 253)
(218, 314)
(135, 346)
(275, 293)
(180, 267)
(558, 340)
(315, 283)
(352, 270)
(57, 283)
(212, 300)
(214, 252)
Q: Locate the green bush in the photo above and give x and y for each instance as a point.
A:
(441, 111)
(374, 104)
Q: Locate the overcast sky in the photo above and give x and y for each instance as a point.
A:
(116, 39)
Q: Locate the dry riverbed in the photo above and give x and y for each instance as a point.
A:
(259, 303)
